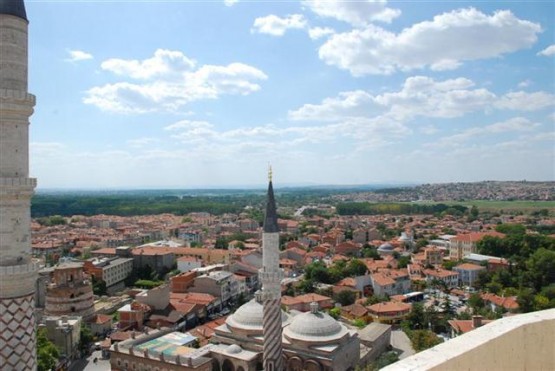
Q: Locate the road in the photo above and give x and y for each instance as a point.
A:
(89, 365)
(401, 342)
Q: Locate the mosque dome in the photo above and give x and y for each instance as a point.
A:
(385, 247)
(315, 326)
(233, 349)
(249, 316)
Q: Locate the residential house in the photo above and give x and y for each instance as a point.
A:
(459, 327)
(468, 273)
(221, 284)
(449, 278)
(466, 244)
(302, 302)
(389, 312)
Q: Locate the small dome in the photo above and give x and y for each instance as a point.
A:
(233, 349)
(385, 247)
(249, 316)
(317, 327)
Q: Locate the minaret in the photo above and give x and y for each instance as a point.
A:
(18, 272)
(271, 276)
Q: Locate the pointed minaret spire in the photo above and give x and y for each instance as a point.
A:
(13, 7)
(270, 219)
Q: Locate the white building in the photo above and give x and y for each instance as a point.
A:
(221, 284)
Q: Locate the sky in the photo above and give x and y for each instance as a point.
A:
(195, 94)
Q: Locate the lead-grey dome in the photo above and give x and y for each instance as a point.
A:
(13, 7)
(233, 349)
(315, 327)
(249, 316)
(385, 247)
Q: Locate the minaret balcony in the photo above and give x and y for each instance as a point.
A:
(271, 276)
(18, 182)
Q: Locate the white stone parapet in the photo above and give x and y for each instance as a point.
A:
(18, 182)
(18, 280)
(17, 95)
(270, 276)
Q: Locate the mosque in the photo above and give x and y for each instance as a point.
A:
(312, 341)
(258, 336)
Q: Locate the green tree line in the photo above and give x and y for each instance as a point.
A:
(369, 208)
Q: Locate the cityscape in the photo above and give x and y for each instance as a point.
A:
(206, 231)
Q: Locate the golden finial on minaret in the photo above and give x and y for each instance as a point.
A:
(269, 172)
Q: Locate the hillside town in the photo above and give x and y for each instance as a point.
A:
(486, 190)
(397, 283)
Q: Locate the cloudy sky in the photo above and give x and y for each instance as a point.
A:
(185, 94)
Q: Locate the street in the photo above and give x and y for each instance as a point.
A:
(89, 365)
(401, 343)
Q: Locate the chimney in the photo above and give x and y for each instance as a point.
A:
(476, 321)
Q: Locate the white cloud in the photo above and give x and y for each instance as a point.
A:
(357, 13)
(346, 104)
(141, 142)
(525, 83)
(429, 129)
(208, 141)
(549, 51)
(419, 96)
(316, 33)
(443, 43)
(78, 55)
(276, 26)
(42, 149)
(517, 124)
(164, 63)
(230, 2)
(524, 101)
(170, 83)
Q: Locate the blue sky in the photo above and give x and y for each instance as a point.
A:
(184, 94)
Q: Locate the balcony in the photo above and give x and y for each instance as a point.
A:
(520, 342)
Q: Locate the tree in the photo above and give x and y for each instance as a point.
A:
(403, 261)
(47, 353)
(371, 252)
(449, 264)
(386, 359)
(421, 242)
(541, 269)
(99, 286)
(473, 214)
(525, 300)
(345, 297)
(416, 318)
(360, 323)
(307, 286)
(85, 337)
(356, 268)
(335, 312)
(511, 228)
(476, 302)
(447, 307)
(423, 339)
